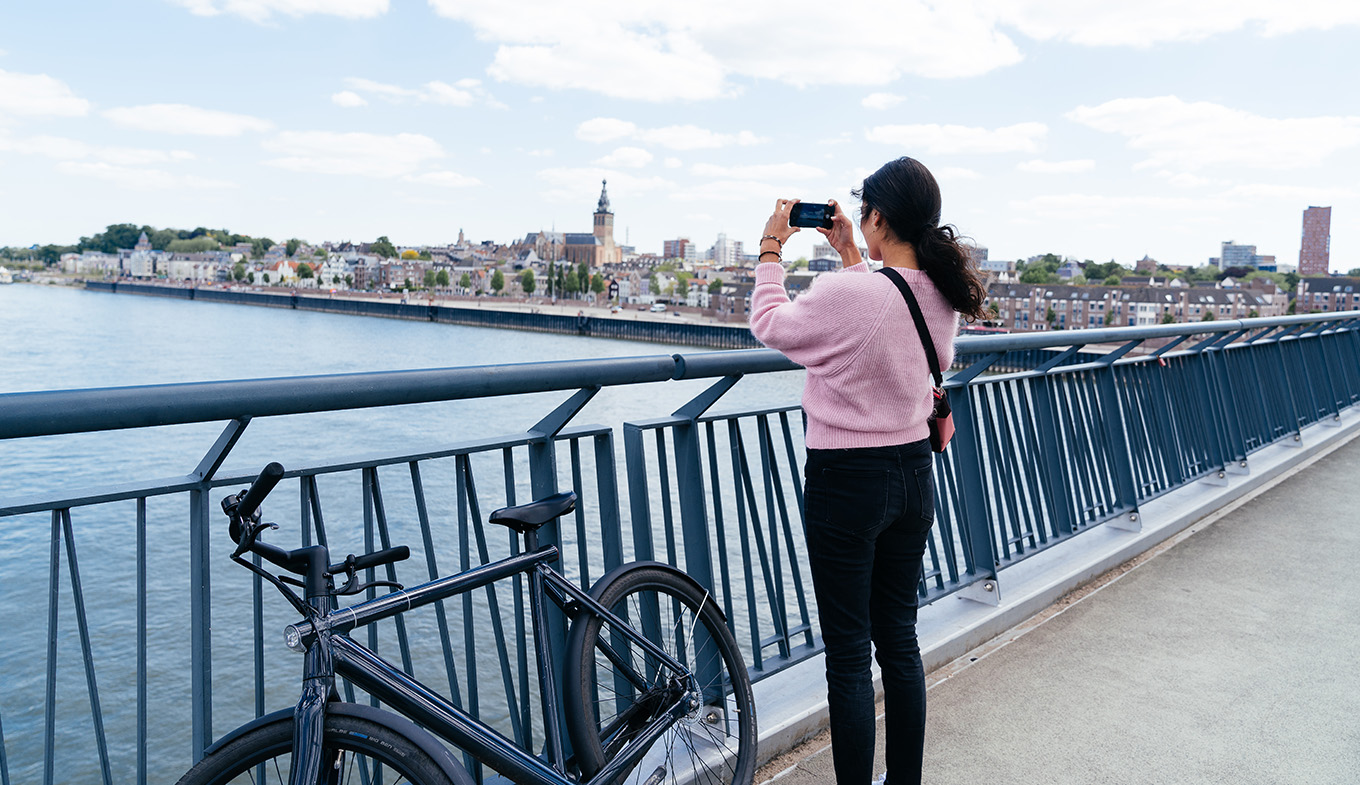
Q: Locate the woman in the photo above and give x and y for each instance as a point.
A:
(868, 493)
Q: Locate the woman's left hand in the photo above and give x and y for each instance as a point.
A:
(778, 223)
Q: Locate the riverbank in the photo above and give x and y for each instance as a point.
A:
(675, 326)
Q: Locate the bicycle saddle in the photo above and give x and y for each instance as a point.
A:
(528, 517)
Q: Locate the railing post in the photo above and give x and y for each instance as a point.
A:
(200, 622)
(1116, 435)
(976, 520)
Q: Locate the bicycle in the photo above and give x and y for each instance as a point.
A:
(669, 703)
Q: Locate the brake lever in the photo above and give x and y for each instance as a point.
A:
(350, 588)
(251, 530)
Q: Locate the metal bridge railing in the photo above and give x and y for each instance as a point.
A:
(1040, 455)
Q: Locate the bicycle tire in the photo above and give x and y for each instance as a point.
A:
(261, 756)
(714, 744)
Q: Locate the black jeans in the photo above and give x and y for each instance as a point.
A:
(869, 512)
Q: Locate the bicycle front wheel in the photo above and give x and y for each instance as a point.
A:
(357, 751)
(614, 688)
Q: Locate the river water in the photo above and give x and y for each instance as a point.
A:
(64, 338)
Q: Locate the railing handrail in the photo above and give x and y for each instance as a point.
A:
(54, 412)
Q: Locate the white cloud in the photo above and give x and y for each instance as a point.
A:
(36, 95)
(363, 154)
(789, 172)
(443, 179)
(183, 119)
(1057, 167)
(1156, 21)
(675, 137)
(64, 149)
(626, 157)
(947, 173)
(1293, 193)
(348, 99)
(1187, 136)
(462, 93)
(945, 139)
(577, 184)
(881, 101)
(745, 191)
(605, 129)
(1078, 206)
(695, 50)
(138, 179)
(264, 10)
(672, 163)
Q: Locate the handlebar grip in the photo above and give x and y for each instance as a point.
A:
(379, 558)
(259, 489)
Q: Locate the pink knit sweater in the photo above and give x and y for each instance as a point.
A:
(868, 384)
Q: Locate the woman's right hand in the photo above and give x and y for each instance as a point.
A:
(841, 235)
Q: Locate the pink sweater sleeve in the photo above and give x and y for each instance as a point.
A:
(814, 330)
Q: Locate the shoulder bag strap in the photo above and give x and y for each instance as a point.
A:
(931, 358)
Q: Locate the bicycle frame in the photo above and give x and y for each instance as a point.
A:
(329, 651)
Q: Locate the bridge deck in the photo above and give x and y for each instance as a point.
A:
(1228, 656)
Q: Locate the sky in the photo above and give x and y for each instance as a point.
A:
(1088, 128)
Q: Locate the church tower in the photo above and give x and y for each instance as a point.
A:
(604, 228)
(604, 219)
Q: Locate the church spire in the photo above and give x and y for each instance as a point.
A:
(603, 206)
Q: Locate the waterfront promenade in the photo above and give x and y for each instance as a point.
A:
(1226, 655)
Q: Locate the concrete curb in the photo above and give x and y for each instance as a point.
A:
(792, 704)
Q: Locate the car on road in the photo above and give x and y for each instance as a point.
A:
(658, 308)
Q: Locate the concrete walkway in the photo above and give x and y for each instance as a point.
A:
(1230, 654)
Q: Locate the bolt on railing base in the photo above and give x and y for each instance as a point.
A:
(1238, 467)
(987, 592)
(1128, 522)
(1331, 422)
(1217, 478)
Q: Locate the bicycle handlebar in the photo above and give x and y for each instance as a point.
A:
(375, 559)
(259, 489)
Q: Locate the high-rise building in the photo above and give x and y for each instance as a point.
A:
(1315, 255)
(675, 249)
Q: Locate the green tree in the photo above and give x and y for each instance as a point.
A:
(1293, 304)
(383, 247)
(238, 272)
(441, 279)
(250, 277)
(291, 247)
(193, 245)
(1051, 316)
(266, 277)
(304, 270)
(571, 283)
(653, 285)
(407, 285)
(497, 281)
(320, 253)
(582, 277)
(1208, 315)
(1109, 318)
(425, 256)
(1037, 275)
(527, 281)
(1112, 280)
(994, 308)
(430, 277)
(349, 280)
(1168, 318)
(715, 286)
(553, 286)
(682, 280)
(465, 281)
(1253, 313)
(597, 284)
(1291, 282)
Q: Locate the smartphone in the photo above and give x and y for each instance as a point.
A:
(809, 215)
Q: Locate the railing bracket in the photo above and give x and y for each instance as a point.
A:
(1238, 467)
(1131, 522)
(1218, 477)
(1331, 422)
(987, 592)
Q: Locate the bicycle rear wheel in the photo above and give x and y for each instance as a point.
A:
(357, 751)
(613, 688)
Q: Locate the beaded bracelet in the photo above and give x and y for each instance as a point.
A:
(772, 237)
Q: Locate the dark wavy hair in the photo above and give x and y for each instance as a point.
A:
(905, 193)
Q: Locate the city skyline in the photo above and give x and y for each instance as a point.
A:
(1098, 131)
